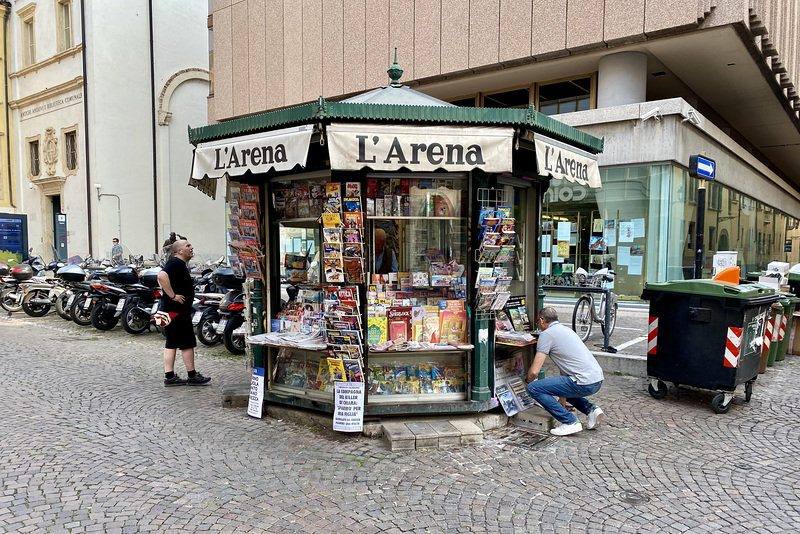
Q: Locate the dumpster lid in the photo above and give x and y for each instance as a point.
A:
(710, 288)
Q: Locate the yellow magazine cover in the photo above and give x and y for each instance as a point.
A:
(337, 369)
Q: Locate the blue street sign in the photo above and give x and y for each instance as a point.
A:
(702, 167)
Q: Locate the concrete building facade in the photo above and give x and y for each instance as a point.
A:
(102, 93)
(660, 80)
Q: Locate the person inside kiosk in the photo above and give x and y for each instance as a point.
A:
(385, 257)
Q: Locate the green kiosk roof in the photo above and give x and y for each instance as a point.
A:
(396, 103)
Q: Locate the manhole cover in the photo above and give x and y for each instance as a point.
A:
(517, 437)
(632, 497)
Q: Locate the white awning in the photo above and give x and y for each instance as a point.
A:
(562, 161)
(419, 148)
(258, 153)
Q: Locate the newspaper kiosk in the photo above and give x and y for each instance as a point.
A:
(390, 228)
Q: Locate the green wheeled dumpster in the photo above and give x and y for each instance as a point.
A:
(706, 335)
(753, 276)
(788, 300)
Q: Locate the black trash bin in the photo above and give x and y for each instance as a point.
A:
(707, 335)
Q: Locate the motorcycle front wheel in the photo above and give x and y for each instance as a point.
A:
(102, 318)
(82, 316)
(206, 330)
(61, 306)
(134, 319)
(234, 344)
(36, 310)
(8, 299)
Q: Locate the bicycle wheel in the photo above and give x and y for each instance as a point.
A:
(612, 321)
(582, 318)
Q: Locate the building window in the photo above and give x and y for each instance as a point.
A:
(468, 102)
(71, 150)
(515, 98)
(64, 20)
(33, 158)
(28, 34)
(565, 96)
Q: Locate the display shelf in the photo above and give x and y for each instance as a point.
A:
(305, 221)
(410, 218)
(406, 397)
(375, 353)
(295, 347)
(293, 390)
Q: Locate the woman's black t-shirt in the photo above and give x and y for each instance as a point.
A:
(181, 282)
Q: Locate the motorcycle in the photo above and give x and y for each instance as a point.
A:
(206, 318)
(40, 296)
(109, 298)
(13, 290)
(70, 276)
(231, 310)
(80, 309)
(140, 303)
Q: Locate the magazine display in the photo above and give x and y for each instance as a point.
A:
(243, 230)
(509, 386)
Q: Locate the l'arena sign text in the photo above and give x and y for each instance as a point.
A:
(388, 148)
(565, 162)
(281, 150)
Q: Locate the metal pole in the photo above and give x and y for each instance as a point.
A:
(701, 223)
(607, 329)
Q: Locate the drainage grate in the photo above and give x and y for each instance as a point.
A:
(515, 436)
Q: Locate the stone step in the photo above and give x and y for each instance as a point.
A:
(438, 434)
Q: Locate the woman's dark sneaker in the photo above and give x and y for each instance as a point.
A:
(174, 381)
(198, 380)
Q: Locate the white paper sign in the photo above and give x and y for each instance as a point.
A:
(545, 267)
(257, 153)
(635, 265)
(555, 257)
(546, 243)
(256, 403)
(611, 237)
(638, 228)
(563, 231)
(419, 148)
(623, 255)
(349, 413)
(625, 232)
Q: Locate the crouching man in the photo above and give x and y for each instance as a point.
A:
(581, 375)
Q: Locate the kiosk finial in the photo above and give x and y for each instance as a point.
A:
(395, 71)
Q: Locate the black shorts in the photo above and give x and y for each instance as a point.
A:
(180, 334)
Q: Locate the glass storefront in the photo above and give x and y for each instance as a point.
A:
(642, 223)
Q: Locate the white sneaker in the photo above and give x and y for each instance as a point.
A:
(595, 418)
(565, 430)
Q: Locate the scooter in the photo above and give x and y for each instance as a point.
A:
(40, 296)
(12, 291)
(109, 298)
(231, 310)
(206, 318)
(140, 303)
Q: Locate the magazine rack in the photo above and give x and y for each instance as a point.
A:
(488, 198)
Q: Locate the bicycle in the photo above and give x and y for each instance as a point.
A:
(586, 313)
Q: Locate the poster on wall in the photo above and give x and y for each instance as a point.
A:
(562, 249)
(625, 232)
(564, 229)
(638, 228)
(597, 243)
(597, 226)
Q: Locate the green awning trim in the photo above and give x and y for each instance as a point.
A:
(325, 112)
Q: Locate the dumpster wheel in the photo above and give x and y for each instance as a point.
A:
(657, 389)
(722, 402)
(748, 390)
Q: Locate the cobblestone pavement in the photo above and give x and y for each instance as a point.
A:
(91, 441)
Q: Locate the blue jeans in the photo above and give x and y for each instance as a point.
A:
(546, 390)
